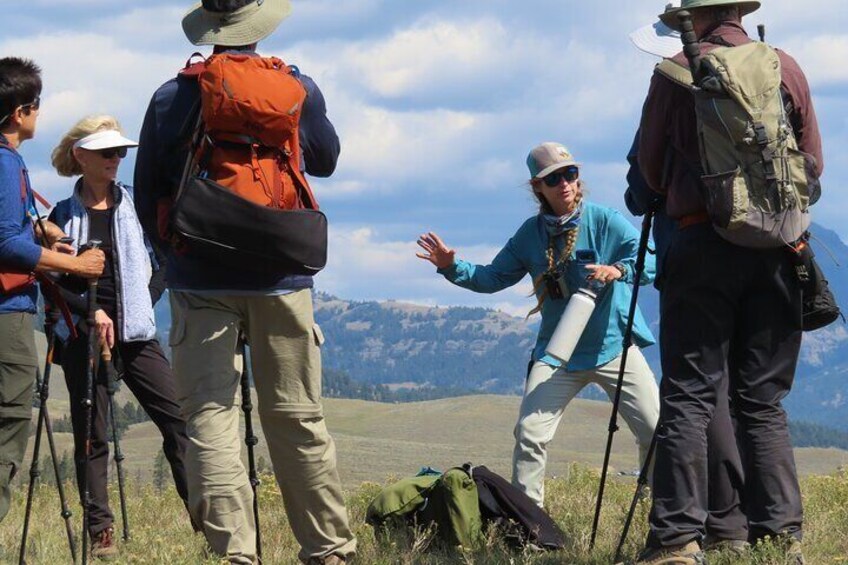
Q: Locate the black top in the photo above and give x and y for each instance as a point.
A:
(100, 227)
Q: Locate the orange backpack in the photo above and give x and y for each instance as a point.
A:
(251, 110)
(243, 201)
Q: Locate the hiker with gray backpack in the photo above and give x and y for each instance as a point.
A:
(729, 137)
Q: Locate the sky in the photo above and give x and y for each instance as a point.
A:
(437, 104)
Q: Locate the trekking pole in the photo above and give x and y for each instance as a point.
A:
(88, 402)
(627, 342)
(692, 49)
(43, 387)
(111, 389)
(640, 488)
(250, 438)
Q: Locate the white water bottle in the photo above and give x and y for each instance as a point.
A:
(571, 325)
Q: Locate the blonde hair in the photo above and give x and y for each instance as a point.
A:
(540, 289)
(63, 155)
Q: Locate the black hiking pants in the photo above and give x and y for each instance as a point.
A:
(733, 313)
(726, 518)
(148, 375)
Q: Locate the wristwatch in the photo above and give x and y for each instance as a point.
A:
(621, 269)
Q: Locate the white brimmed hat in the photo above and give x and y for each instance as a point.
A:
(548, 157)
(104, 139)
(233, 23)
(657, 39)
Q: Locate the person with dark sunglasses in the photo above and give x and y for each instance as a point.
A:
(24, 251)
(570, 244)
(101, 208)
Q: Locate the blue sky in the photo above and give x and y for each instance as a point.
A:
(437, 104)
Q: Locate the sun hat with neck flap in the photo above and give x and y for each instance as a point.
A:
(234, 23)
(669, 17)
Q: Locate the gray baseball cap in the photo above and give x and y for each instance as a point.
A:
(548, 157)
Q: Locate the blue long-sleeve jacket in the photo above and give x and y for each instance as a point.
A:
(614, 240)
(159, 165)
(18, 249)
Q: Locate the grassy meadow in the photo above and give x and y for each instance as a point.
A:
(380, 442)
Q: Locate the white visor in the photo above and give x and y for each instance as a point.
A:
(105, 139)
(657, 39)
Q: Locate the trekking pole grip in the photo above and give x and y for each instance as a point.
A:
(691, 46)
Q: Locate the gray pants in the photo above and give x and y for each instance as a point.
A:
(548, 391)
(18, 365)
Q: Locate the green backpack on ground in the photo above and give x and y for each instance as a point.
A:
(448, 501)
(758, 184)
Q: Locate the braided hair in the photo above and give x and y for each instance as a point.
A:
(540, 289)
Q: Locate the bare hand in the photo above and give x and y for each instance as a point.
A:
(105, 328)
(52, 233)
(603, 273)
(65, 248)
(89, 264)
(436, 251)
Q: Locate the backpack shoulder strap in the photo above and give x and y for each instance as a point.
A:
(9, 148)
(674, 72)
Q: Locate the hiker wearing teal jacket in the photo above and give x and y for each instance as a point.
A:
(545, 247)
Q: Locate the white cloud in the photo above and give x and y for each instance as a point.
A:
(822, 58)
(85, 73)
(362, 265)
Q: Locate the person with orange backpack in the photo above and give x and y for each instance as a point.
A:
(220, 184)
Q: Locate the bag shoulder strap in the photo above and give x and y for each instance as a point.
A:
(675, 72)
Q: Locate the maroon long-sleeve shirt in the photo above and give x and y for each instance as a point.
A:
(668, 121)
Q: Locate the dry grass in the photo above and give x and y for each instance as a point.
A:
(161, 532)
(379, 441)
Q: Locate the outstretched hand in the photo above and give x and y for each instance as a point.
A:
(435, 250)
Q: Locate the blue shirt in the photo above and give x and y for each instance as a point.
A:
(614, 239)
(159, 165)
(18, 249)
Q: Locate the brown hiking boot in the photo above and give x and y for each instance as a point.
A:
(738, 547)
(793, 552)
(332, 559)
(103, 544)
(686, 554)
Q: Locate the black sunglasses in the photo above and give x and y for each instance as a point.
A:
(34, 105)
(570, 174)
(112, 151)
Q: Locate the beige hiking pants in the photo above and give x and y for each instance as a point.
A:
(286, 362)
(548, 391)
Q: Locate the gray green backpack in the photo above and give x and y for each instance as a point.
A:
(758, 184)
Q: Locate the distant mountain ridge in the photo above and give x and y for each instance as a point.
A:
(478, 349)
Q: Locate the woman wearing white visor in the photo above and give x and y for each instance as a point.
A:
(101, 208)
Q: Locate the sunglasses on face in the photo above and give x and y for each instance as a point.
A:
(34, 105)
(112, 151)
(570, 174)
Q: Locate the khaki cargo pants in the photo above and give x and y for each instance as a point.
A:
(286, 362)
(17, 375)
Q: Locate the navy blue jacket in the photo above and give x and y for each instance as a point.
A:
(159, 165)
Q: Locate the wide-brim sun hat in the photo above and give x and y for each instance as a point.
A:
(104, 139)
(547, 157)
(234, 23)
(669, 17)
(657, 39)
